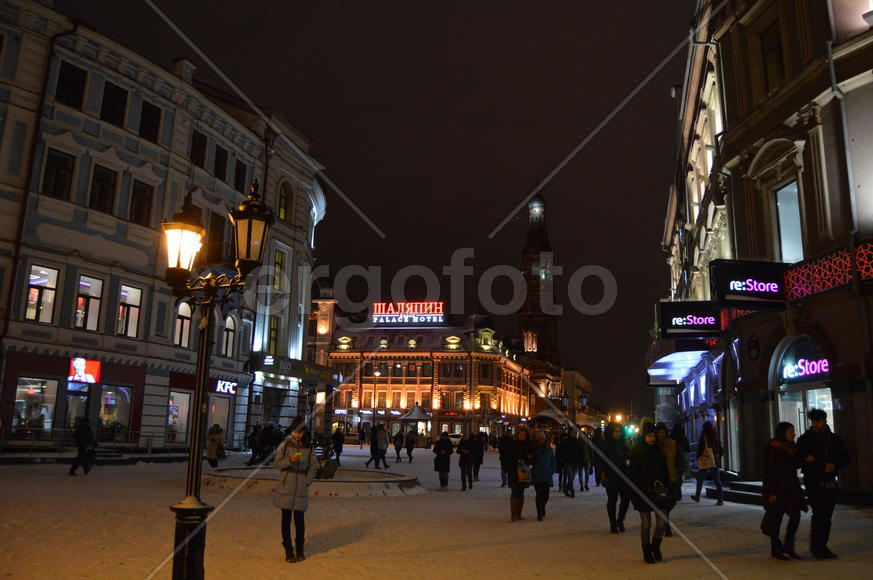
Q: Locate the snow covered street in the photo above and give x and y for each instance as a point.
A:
(115, 523)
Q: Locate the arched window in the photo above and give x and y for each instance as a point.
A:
(183, 325)
(227, 339)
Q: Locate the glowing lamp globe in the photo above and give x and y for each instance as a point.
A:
(184, 236)
(251, 224)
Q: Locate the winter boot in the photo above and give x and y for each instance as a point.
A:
(289, 553)
(776, 549)
(788, 548)
(656, 551)
(300, 555)
(613, 529)
(647, 554)
(513, 509)
(520, 507)
(620, 524)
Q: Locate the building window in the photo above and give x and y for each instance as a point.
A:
(129, 302)
(485, 374)
(70, 89)
(395, 400)
(412, 370)
(459, 400)
(283, 207)
(383, 370)
(198, 149)
(140, 203)
(114, 104)
(397, 370)
(41, 288)
(57, 181)
(150, 121)
(228, 338)
(382, 400)
(239, 176)
(103, 183)
(445, 371)
(88, 303)
(445, 401)
(459, 371)
(219, 163)
(771, 53)
(215, 250)
(788, 214)
(368, 369)
(530, 341)
(427, 370)
(367, 400)
(278, 270)
(182, 334)
(273, 335)
(35, 401)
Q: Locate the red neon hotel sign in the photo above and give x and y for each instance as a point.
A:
(408, 312)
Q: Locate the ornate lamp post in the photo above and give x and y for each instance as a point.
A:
(184, 235)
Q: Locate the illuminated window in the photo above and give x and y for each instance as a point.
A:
(88, 303)
(227, 342)
(283, 207)
(397, 370)
(273, 335)
(182, 336)
(278, 270)
(41, 288)
(130, 300)
(459, 400)
(788, 214)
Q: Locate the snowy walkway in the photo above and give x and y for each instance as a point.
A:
(115, 523)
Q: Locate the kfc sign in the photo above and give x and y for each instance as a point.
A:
(227, 387)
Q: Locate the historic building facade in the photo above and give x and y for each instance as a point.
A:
(461, 375)
(772, 168)
(98, 146)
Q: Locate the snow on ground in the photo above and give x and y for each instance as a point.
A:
(115, 523)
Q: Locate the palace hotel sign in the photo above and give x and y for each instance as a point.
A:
(407, 313)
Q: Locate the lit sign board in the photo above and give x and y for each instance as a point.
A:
(741, 282)
(84, 370)
(804, 369)
(689, 319)
(225, 387)
(407, 313)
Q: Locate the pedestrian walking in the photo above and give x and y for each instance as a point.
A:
(502, 444)
(709, 453)
(825, 454)
(610, 476)
(568, 457)
(382, 442)
(466, 458)
(85, 444)
(683, 448)
(337, 440)
(517, 459)
(253, 444)
(215, 441)
(542, 472)
(442, 451)
(648, 471)
(298, 465)
(399, 442)
(410, 443)
(781, 491)
(480, 442)
(598, 441)
(668, 448)
(586, 462)
(374, 448)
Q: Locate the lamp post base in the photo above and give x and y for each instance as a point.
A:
(191, 536)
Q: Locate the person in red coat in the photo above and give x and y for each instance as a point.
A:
(782, 492)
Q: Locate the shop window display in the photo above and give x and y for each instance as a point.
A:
(35, 401)
(177, 417)
(115, 405)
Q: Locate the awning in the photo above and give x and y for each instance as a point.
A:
(415, 414)
(670, 359)
(550, 415)
(292, 368)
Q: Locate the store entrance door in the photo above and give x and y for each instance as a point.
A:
(796, 401)
(77, 403)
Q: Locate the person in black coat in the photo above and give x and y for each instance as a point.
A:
(374, 448)
(84, 440)
(337, 440)
(648, 471)
(568, 459)
(518, 452)
(480, 443)
(466, 459)
(609, 475)
(253, 444)
(824, 454)
(411, 437)
(399, 442)
(781, 491)
(443, 450)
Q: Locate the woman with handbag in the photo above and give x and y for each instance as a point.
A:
(298, 465)
(782, 492)
(649, 472)
(516, 460)
(709, 452)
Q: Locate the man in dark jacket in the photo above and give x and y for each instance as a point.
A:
(411, 437)
(568, 458)
(337, 440)
(824, 455)
(84, 439)
(502, 444)
(480, 442)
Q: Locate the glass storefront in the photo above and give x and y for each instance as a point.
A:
(77, 403)
(177, 417)
(35, 401)
(115, 405)
(219, 412)
(802, 369)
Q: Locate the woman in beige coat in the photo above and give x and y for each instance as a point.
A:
(298, 465)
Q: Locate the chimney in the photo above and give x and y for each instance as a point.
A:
(184, 69)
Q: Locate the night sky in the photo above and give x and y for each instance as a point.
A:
(438, 119)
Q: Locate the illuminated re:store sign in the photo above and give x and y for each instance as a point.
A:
(805, 368)
(693, 320)
(752, 285)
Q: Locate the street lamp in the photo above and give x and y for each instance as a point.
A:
(184, 235)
